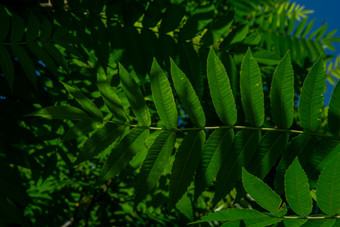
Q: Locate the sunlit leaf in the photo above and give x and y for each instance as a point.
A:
(61, 112)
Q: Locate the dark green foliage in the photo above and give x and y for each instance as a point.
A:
(169, 101)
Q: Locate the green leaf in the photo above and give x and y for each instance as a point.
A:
(328, 191)
(83, 101)
(263, 194)
(311, 98)
(26, 63)
(5, 24)
(17, 29)
(154, 164)
(243, 149)
(212, 157)
(135, 97)
(291, 23)
(250, 217)
(32, 28)
(220, 90)
(334, 111)
(187, 95)
(297, 189)
(6, 66)
(282, 93)
(185, 164)
(110, 97)
(271, 148)
(252, 91)
(122, 153)
(81, 128)
(99, 141)
(163, 97)
(61, 112)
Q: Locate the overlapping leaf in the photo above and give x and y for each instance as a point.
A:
(185, 164)
(135, 97)
(122, 153)
(83, 101)
(163, 97)
(99, 141)
(212, 158)
(244, 147)
(252, 91)
(110, 97)
(154, 163)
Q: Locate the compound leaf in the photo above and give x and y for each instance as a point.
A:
(154, 163)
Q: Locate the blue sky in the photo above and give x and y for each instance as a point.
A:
(325, 11)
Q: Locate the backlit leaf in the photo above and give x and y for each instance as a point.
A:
(187, 95)
(282, 93)
(220, 90)
(163, 97)
(297, 189)
(81, 128)
(252, 91)
(311, 98)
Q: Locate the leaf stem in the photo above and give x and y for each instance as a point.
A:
(236, 127)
